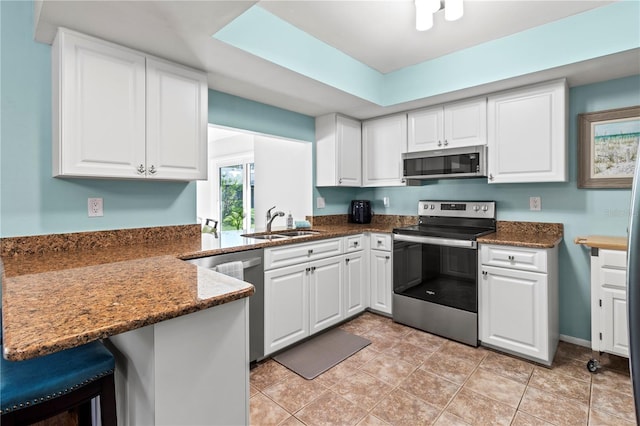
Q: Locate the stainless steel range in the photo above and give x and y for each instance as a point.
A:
(435, 268)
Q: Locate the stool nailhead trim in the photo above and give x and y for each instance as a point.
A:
(55, 394)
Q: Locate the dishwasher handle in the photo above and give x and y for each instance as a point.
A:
(249, 263)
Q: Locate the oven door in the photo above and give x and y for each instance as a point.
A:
(436, 270)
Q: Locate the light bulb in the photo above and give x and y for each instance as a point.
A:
(424, 16)
(453, 9)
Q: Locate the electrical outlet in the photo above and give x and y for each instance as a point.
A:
(385, 201)
(320, 203)
(535, 203)
(95, 207)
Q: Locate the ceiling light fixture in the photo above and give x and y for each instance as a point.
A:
(425, 9)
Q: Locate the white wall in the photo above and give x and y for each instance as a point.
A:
(283, 173)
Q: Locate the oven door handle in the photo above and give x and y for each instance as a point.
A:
(447, 242)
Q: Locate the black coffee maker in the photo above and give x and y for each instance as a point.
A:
(360, 211)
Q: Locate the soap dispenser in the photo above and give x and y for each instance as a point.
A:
(289, 221)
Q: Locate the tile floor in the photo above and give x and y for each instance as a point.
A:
(408, 377)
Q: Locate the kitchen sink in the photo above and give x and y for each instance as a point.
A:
(298, 233)
(281, 235)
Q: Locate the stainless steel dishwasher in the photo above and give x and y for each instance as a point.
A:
(253, 269)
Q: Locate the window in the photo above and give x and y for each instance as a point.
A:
(236, 196)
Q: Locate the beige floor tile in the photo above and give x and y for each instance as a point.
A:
(496, 387)
(291, 421)
(264, 411)
(613, 402)
(336, 373)
(559, 384)
(478, 409)
(448, 419)
(430, 388)
(448, 367)
(614, 380)
(381, 340)
(362, 389)
(569, 350)
(409, 353)
(601, 418)
(401, 408)
(331, 409)
(426, 341)
(463, 352)
(552, 408)
(268, 373)
(524, 419)
(388, 369)
(614, 362)
(508, 366)
(294, 392)
(252, 390)
(361, 357)
(372, 420)
(572, 367)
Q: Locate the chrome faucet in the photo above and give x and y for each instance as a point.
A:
(270, 218)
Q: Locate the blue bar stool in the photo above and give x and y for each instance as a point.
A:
(38, 388)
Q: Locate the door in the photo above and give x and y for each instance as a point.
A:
(380, 280)
(513, 310)
(349, 145)
(425, 129)
(355, 284)
(615, 337)
(177, 115)
(101, 110)
(383, 142)
(286, 306)
(326, 293)
(465, 123)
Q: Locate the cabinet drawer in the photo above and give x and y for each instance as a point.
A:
(303, 252)
(613, 258)
(526, 259)
(353, 243)
(381, 242)
(613, 278)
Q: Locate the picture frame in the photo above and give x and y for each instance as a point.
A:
(608, 147)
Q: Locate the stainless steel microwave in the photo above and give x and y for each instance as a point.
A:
(462, 162)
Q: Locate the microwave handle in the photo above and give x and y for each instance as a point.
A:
(447, 242)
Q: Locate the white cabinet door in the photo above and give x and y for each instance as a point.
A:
(176, 122)
(527, 139)
(338, 151)
(615, 337)
(514, 311)
(98, 109)
(286, 306)
(383, 142)
(380, 279)
(465, 123)
(425, 129)
(355, 284)
(326, 293)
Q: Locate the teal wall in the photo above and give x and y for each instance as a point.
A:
(34, 203)
(582, 211)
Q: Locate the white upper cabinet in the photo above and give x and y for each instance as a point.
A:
(383, 142)
(338, 151)
(449, 126)
(527, 131)
(118, 113)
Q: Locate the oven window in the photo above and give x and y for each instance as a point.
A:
(442, 275)
(446, 164)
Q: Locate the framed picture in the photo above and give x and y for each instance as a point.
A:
(608, 147)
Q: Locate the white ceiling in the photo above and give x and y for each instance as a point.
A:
(380, 34)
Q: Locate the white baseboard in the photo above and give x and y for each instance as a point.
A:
(575, 341)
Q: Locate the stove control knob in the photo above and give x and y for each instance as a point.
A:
(485, 208)
(476, 208)
(432, 206)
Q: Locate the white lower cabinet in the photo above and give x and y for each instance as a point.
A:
(355, 284)
(380, 281)
(518, 306)
(609, 328)
(326, 295)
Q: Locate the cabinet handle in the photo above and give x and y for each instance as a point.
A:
(140, 169)
(313, 269)
(152, 170)
(387, 257)
(490, 176)
(379, 242)
(310, 252)
(340, 180)
(439, 143)
(347, 260)
(446, 142)
(308, 270)
(511, 257)
(355, 244)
